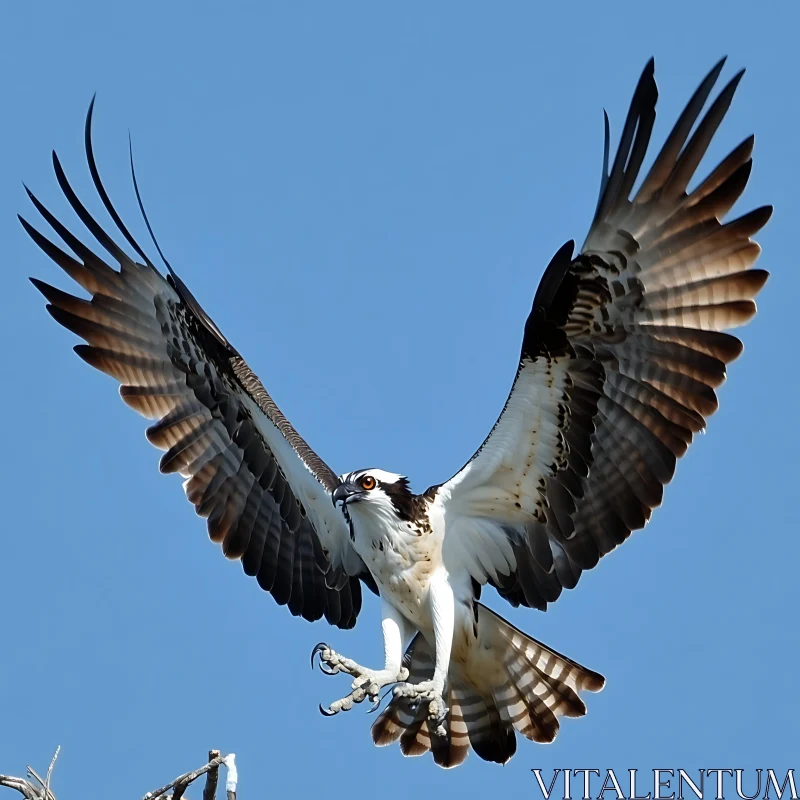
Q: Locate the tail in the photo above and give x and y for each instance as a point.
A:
(508, 682)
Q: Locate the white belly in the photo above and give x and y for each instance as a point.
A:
(402, 562)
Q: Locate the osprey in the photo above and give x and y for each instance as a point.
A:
(621, 354)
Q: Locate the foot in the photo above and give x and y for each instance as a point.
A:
(426, 692)
(366, 682)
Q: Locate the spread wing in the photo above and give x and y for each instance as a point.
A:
(621, 354)
(263, 490)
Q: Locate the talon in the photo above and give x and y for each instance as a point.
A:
(366, 682)
(327, 713)
(318, 649)
(376, 703)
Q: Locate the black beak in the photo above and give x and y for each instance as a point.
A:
(345, 492)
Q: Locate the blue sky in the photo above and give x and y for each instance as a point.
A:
(395, 178)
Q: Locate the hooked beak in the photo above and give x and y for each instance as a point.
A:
(346, 493)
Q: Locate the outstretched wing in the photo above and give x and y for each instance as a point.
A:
(263, 490)
(621, 354)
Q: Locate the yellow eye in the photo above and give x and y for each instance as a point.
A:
(368, 482)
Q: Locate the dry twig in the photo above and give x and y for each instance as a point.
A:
(22, 786)
(39, 789)
(28, 789)
(180, 783)
(47, 792)
(212, 776)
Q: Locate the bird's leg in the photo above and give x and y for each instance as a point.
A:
(442, 605)
(368, 682)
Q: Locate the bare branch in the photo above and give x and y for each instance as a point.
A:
(26, 789)
(212, 777)
(178, 791)
(180, 783)
(31, 791)
(47, 792)
(32, 773)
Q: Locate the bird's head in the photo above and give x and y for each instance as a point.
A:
(373, 491)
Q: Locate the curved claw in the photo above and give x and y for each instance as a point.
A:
(377, 704)
(318, 648)
(327, 713)
(323, 667)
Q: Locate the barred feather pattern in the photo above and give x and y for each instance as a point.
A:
(661, 278)
(507, 683)
(623, 352)
(264, 493)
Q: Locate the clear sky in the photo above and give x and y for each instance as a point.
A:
(389, 180)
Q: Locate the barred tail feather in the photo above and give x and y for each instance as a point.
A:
(507, 683)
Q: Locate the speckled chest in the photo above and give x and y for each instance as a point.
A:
(401, 557)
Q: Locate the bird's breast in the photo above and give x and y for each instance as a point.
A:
(402, 561)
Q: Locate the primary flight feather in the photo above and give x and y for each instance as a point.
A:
(621, 355)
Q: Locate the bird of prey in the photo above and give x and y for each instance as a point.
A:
(621, 354)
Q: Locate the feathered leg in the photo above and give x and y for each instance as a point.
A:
(442, 606)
